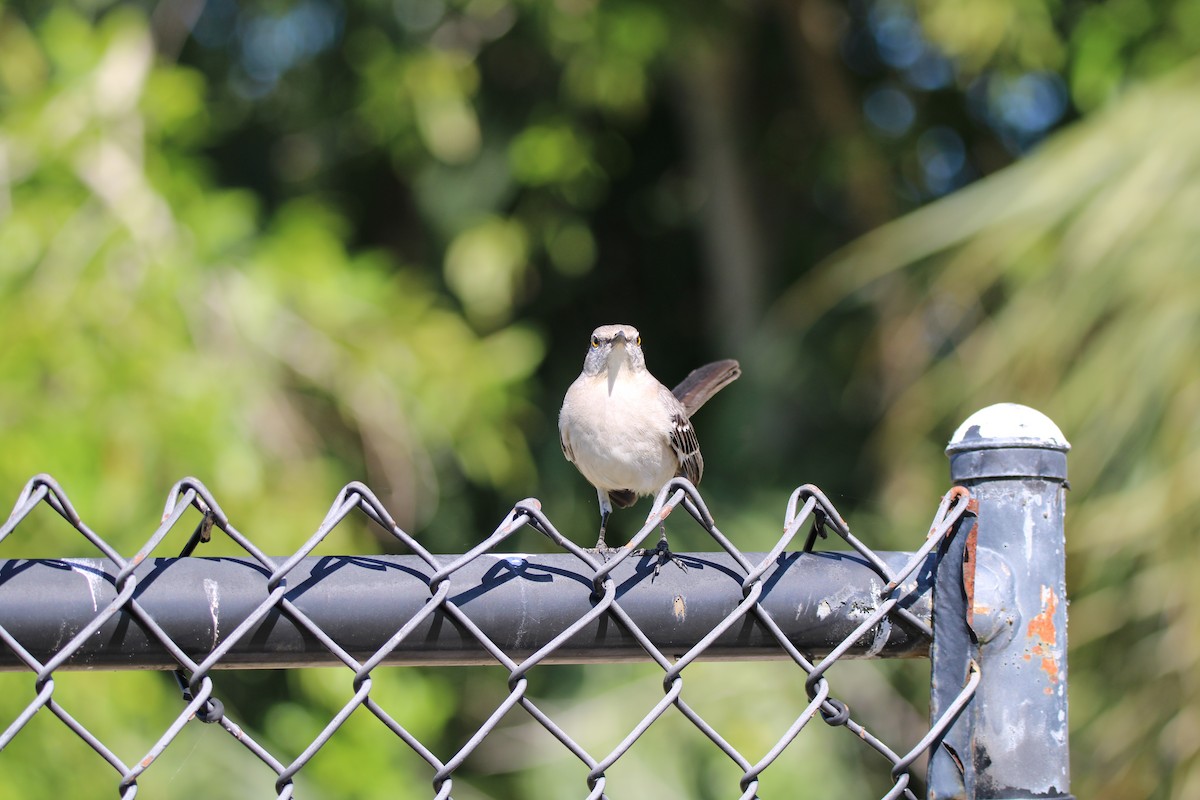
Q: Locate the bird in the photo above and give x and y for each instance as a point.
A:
(626, 432)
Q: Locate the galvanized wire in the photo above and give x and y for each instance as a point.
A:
(806, 507)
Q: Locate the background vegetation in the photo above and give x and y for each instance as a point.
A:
(280, 245)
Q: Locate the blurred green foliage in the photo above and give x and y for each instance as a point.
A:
(256, 351)
(1099, 47)
(284, 245)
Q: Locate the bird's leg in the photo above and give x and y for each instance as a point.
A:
(605, 511)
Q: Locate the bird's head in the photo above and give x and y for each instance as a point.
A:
(613, 347)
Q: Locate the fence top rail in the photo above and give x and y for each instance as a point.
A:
(522, 602)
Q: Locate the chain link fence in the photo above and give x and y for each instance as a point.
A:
(798, 602)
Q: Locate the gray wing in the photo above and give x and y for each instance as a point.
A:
(562, 432)
(564, 444)
(683, 440)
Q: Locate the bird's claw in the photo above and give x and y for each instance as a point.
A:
(663, 554)
(600, 551)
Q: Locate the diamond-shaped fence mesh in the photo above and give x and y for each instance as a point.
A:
(159, 610)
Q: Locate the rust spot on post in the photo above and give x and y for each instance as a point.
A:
(969, 560)
(1042, 626)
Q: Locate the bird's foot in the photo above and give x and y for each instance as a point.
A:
(662, 555)
(602, 550)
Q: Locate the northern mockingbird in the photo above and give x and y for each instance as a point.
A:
(626, 432)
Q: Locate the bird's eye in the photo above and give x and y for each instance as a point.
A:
(639, 341)
(595, 341)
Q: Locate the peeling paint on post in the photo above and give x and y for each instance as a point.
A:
(1014, 461)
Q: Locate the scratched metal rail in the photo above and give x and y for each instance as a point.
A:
(162, 609)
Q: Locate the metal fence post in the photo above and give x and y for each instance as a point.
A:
(1013, 459)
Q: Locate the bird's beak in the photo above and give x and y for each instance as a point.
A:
(617, 357)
